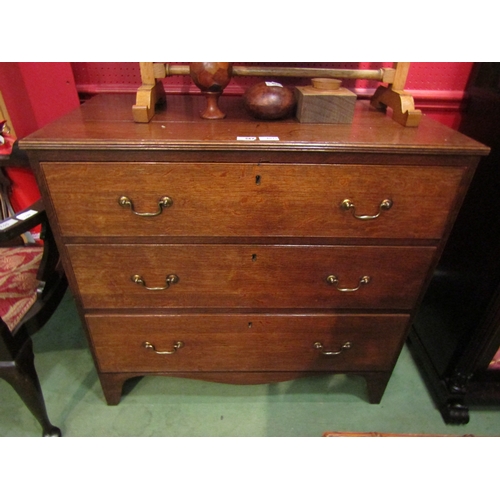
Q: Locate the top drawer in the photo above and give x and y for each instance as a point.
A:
(251, 199)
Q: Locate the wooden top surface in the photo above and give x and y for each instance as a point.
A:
(105, 122)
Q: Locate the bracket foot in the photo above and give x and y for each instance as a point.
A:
(401, 103)
(148, 97)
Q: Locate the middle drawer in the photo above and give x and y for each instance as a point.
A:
(249, 276)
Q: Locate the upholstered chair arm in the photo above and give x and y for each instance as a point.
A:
(23, 221)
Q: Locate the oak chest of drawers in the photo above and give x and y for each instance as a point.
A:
(243, 251)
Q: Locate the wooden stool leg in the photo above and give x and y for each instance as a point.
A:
(22, 376)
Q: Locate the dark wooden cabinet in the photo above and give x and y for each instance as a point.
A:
(245, 251)
(456, 333)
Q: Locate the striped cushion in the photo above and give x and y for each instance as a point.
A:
(18, 283)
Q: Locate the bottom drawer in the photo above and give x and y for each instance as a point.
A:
(246, 342)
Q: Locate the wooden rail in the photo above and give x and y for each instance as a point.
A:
(385, 75)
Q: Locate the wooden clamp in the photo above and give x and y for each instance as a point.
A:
(394, 97)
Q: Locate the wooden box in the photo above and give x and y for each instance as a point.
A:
(325, 106)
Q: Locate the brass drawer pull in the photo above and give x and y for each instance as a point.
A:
(319, 345)
(177, 345)
(170, 280)
(333, 280)
(349, 205)
(163, 202)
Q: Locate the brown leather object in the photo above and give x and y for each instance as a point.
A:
(269, 101)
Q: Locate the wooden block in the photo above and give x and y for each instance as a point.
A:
(324, 106)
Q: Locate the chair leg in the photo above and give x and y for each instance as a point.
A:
(22, 376)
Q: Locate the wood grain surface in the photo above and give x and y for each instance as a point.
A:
(252, 200)
(253, 236)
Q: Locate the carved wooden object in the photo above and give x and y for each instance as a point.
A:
(393, 96)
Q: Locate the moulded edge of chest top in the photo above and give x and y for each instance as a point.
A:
(301, 157)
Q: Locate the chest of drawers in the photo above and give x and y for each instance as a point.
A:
(242, 251)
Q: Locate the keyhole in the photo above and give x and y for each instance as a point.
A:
(254, 257)
(250, 324)
(257, 180)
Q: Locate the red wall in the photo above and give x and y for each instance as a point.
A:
(34, 94)
(37, 93)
